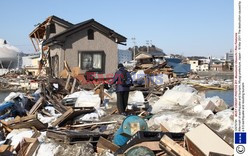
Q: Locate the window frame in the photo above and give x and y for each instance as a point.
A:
(91, 34)
(103, 59)
(52, 28)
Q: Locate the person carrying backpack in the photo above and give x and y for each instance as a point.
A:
(123, 81)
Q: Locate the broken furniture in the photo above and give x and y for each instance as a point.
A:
(199, 144)
(129, 127)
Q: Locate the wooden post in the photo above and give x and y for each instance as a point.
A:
(73, 86)
(67, 83)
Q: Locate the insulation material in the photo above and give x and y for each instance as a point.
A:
(135, 97)
(88, 99)
(184, 88)
(95, 116)
(17, 135)
(218, 102)
(171, 98)
(73, 95)
(223, 120)
(175, 121)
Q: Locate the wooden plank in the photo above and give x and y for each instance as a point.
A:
(174, 147)
(63, 117)
(67, 82)
(73, 86)
(106, 144)
(58, 106)
(30, 123)
(5, 126)
(27, 147)
(4, 148)
(163, 128)
(91, 124)
(37, 105)
(18, 119)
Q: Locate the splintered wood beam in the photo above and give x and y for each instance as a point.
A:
(37, 105)
(73, 86)
(63, 117)
(174, 147)
(37, 41)
(67, 82)
(106, 144)
(33, 44)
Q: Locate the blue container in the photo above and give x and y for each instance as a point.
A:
(130, 126)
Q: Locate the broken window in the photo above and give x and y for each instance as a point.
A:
(52, 28)
(92, 61)
(90, 34)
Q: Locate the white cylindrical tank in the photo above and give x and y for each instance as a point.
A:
(8, 55)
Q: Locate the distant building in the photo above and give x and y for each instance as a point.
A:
(31, 63)
(194, 65)
(221, 65)
(229, 56)
(124, 56)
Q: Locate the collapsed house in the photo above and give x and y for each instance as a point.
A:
(88, 45)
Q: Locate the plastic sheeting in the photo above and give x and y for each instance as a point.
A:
(16, 135)
(95, 116)
(13, 95)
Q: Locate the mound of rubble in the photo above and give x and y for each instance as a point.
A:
(58, 120)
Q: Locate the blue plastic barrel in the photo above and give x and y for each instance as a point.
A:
(130, 126)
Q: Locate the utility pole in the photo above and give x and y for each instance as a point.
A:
(133, 39)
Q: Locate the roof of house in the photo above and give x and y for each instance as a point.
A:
(143, 55)
(91, 22)
(151, 54)
(157, 53)
(40, 29)
(182, 68)
(173, 60)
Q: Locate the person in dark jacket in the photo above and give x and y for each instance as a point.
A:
(122, 90)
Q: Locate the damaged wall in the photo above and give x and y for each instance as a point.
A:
(78, 41)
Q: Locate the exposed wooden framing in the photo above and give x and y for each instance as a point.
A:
(33, 43)
(73, 86)
(37, 41)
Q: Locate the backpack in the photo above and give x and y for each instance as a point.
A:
(126, 81)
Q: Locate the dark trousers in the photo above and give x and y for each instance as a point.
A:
(122, 101)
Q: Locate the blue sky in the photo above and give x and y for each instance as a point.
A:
(188, 27)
